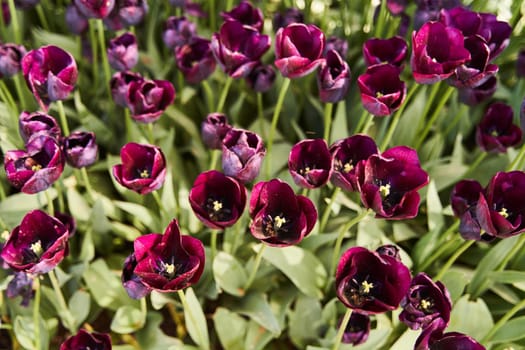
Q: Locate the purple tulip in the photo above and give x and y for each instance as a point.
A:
(432, 338)
(382, 92)
(396, 7)
(123, 52)
(80, 149)
(21, 285)
(213, 130)
(437, 50)
(346, 154)
(287, 17)
(520, 64)
(261, 78)
(280, 217)
(143, 168)
(474, 96)
(310, 163)
(242, 154)
(68, 221)
(37, 123)
(357, 330)
(429, 10)
(37, 245)
(426, 302)
(50, 74)
(389, 183)
(333, 78)
(113, 22)
(76, 22)
(338, 44)
(463, 199)
(148, 99)
(85, 340)
(168, 262)
(132, 12)
(120, 83)
(496, 132)
(298, 49)
(246, 14)
(178, 31)
(195, 60)
(370, 283)
(238, 48)
(379, 51)
(37, 168)
(10, 59)
(389, 250)
(131, 282)
(217, 200)
(95, 8)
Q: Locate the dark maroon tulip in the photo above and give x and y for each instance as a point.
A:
(120, 83)
(143, 168)
(195, 60)
(217, 200)
(50, 74)
(463, 199)
(37, 123)
(85, 340)
(261, 78)
(242, 154)
(474, 96)
(148, 99)
(68, 221)
(21, 285)
(379, 51)
(37, 245)
(520, 64)
(390, 250)
(437, 51)
(10, 59)
(37, 168)
(429, 10)
(132, 12)
(5, 12)
(76, 22)
(310, 163)
(338, 44)
(80, 149)
(370, 283)
(333, 78)
(178, 31)
(131, 282)
(238, 48)
(123, 52)
(425, 302)
(287, 17)
(346, 154)
(357, 330)
(246, 14)
(432, 338)
(382, 92)
(168, 262)
(280, 217)
(389, 183)
(213, 130)
(501, 212)
(496, 132)
(298, 49)
(95, 8)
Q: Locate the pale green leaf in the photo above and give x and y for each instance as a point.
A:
(229, 274)
(195, 320)
(231, 329)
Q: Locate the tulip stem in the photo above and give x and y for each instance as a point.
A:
(516, 249)
(453, 258)
(475, 164)
(36, 311)
(213, 243)
(87, 184)
(159, 202)
(503, 320)
(215, 154)
(104, 54)
(186, 307)
(515, 165)
(442, 248)
(380, 20)
(328, 108)
(209, 95)
(7, 97)
(151, 138)
(63, 119)
(94, 51)
(361, 122)
(42, 17)
(50, 206)
(328, 209)
(212, 15)
(224, 94)
(19, 91)
(369, 123)
(255, 267)
(68, 320)
(341, 330)
(14, 21)
(275, 120)
(3, 31)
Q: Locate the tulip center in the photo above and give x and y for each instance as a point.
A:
(346, 167)
(426, 304)
(37, 248)
(503, 212)
(144, 174)
(384, 190)
(216, 210)
(32, 164)
(379, 94)
(305, 170)
(168, 270)
(360, 292)
(365, 287)
(274, 224)
(494, 133)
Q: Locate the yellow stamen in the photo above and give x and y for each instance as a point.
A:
(503, 212)
(36, 167)
(144, 174)
(366, 287)
(347, 167)
(37, 248)
(217, 205)
(279, 221)
(379, 94)
(170, 269)
(385, 190)
(425, 304)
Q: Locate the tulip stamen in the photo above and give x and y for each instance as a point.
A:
(274, 224)
(30, 163)
(305, 170)
(144, 174)
(503, 212)
(279, 221)
(217, 206)
(37, 248)
(366, 287)
(379, 94)
(426, 304)
(168, 269)
(348, 167)
(384, 190)
(494, 133)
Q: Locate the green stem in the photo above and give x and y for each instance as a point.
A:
(380, 20)
(475, 164)
(21, 96)
(215, 154)
(442, 249)
(275, 120)
(328, 209)
(50, 206)
(3, 30)
(224, 94)
(394, 336)
(36, 311)
(14, 21)
(187, 312)
(87, 184)
(260, 114)
(361, 122)
(255, 267)
(514, 165)
(453, 258)
(156, 196)
(143, 307)
(328, 108)
(63, 119)
(2, 192)
(212, 15)
(502, 321)
(209, 95)
(342, 329)
(69, 322)
(428, 125)
(7, 96)
(104, 54)
(42, 17)
(213, 244)
(516, 249)
(368, 124)
(151, 138)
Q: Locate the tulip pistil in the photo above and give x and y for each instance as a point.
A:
(274, 224)
(426, 304)
(30, 163)
(37, 248)
(384, 190)
(346, 167)
(366, 287)
(168, 269)
(503, 212)
(144, 174)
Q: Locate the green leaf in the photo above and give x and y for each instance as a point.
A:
(434, 208)
(230, 328)
(127, 319)
(302, 267)
(229, 274)
(257, 337)
(152, 337)
(24, 329)
(98, 220)
(511, 331)
(67, 43)
(129, 233)
(195, 320)
(256, 307)
(141, 213)
(79, 305)
(78, 206)
(406, 341)
(455, 281)
(87, 251)
(16, 206)
(507, 276)
(464, 311)
(105, 286)
(305, 323)
(158, 300)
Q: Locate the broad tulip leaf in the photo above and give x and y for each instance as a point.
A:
(466, 310)
(79, 305)
(231, 328)
(256, 307)
(229, 274)
(195, 320)
(127, 319)
(511, 331)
